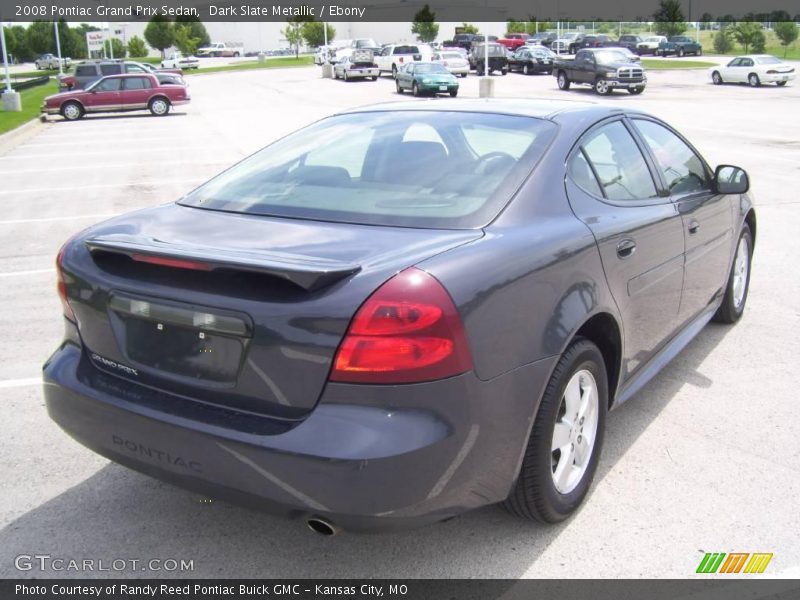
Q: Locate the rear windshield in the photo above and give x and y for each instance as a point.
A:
(413, 168)
(406, 50)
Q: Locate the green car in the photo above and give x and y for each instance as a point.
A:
(426, 78)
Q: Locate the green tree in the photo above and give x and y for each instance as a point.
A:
(669, 18)
(160, 33)
(469, 28)
(514, 26)
(424, 26)
(787, 34)
(78, 35)
(118, 48)
(722, 41)
(293, 32)
(40, 37)
(314, 34)
(137, 47)
(746, 33)
(604, 28)
(760, 42)
(198, 30)
(184, 41)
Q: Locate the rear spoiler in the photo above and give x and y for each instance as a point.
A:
(310, 273)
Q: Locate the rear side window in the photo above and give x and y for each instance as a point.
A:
(85, 70)
(682, 169)
(110, 69)
(411, 168)
(619, 163)
(580, 172)
(137, 83)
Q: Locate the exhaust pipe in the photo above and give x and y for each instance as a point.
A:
(322, 526)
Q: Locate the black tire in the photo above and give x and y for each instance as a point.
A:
(781, 83)
(479, 71)
(504, 71)
(699, 52)
(415, 89)
(729, 312)
(159, 106)
(344, 75)
(394, 71)
(680, 53)
(534, 495)
(635, 91)
(454, 93)
(463, 75)
(716, 78)
(235, 55)
(753, 80)
(397, 86)
(526, 70)
(563, 81)
(72, 111)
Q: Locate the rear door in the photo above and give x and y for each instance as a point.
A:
(707, 217)
(611, 186)
(136, 92)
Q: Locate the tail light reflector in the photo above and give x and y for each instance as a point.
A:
(407, 331)
(62, 284)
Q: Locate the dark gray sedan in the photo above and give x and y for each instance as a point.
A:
(401, 312)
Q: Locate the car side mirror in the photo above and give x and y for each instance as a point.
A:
(730, 180)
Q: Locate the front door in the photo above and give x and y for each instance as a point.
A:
(707, 217)
(611, 187)
(105, 95)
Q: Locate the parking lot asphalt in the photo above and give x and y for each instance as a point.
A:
(704, 459)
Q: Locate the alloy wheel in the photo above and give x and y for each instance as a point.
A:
(574, 432)
(741, 266)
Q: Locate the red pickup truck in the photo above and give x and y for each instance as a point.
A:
(512, 41)
(118, 93)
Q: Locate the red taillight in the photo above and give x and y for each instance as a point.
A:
(408, 331)
(772, 72)
(62, 284)
(175, 263)
(401, 59)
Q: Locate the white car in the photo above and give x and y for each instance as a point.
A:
(394, 56)
(754, 70)
(453, 61)
(649, 45)
(176, 60)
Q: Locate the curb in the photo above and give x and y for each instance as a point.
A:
(11, 139)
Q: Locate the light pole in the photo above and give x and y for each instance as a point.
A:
(58, 49)
(12, 101)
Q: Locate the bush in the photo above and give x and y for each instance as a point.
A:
(759, 43)
(722, 41)
(137, 47)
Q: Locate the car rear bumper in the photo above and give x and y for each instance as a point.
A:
(775, 78)
(367, 458)
(368, 72)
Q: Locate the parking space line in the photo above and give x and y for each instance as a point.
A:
(98, 186)
(113, 141)
(52, 219)
(95, 166)
(11, 383)
(31, 272)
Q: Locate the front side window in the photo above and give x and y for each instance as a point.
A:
(683, 171)
(411, 168)
(619, 163)
(110, 84)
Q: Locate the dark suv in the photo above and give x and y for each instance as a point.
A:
(89, 71)
(498, 58)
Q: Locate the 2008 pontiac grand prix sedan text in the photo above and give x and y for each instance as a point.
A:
(402, 312)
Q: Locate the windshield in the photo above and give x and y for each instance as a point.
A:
(430, 68)
(610, 56)
(366, 44)
(768, 60)
(411, 168)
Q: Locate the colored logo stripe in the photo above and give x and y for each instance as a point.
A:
(713, 562)
(758, 562)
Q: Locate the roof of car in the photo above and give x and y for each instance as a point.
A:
(539, 108)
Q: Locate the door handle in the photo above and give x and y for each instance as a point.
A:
(694, 227)
(626, 248)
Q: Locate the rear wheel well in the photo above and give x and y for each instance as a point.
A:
(602, 330)
(750, 219)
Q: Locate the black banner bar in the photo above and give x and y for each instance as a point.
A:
(388, 10)
(414, 589)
